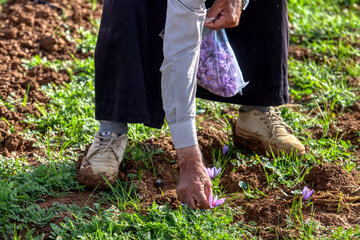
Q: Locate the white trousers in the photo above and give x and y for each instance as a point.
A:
(182, 39)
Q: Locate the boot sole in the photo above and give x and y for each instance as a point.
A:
(257, 146)
(250, 143)
(91, 180)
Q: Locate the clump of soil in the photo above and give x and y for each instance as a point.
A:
(349, 125)
(274, 212)
(252, 176)
(28, 29)
(162, 143)
(211, 135)
(149, 189)
(331, 177)
(87, 198)
(299, 53)
(346, 127)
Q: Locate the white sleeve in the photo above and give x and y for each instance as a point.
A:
(182, 39)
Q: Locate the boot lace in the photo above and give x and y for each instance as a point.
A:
(104, 144)
(273, 120)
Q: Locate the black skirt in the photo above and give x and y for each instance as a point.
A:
(128, 57)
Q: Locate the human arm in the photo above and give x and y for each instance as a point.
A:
(182, 40)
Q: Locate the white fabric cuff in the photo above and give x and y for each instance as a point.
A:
(184, 134)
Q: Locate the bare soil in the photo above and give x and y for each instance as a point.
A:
(27, 29)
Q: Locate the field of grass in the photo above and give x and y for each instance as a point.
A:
(324, 73)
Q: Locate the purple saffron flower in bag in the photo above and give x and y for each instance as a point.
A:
(203, 53)
(222, 56)
(224, 67)
(212, 85)
(202, 76)
(214, 202)
(201, 70)
(209, 64)
(211, 75)
(218, 62)
(213, 172)
(229, 89)
(209, 42)
(225, 79)
(307, 193)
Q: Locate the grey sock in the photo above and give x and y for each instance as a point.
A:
(113, 126)
(248, 108)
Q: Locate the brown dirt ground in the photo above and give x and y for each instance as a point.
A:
(299, 53)
(27, 29)
(88, 198)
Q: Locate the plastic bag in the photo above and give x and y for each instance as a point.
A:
(219, 71)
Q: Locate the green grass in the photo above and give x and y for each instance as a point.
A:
(158, 223)
(320, 85)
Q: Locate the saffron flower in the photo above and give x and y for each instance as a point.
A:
(307, 193)
(213, 172)
(225, 149)
(214, 202)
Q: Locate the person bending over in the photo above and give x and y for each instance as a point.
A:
(129, 88)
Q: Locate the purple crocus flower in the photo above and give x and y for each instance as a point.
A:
(307, 193)
(213, 172)
(225, 149)
(214, 202)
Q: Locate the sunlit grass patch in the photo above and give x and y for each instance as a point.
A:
(158, 223)
(12, 166)
(320, 83)
(18, 194)
(321, 19)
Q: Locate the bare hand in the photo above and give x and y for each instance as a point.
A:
(194, 186)
(224, 14)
